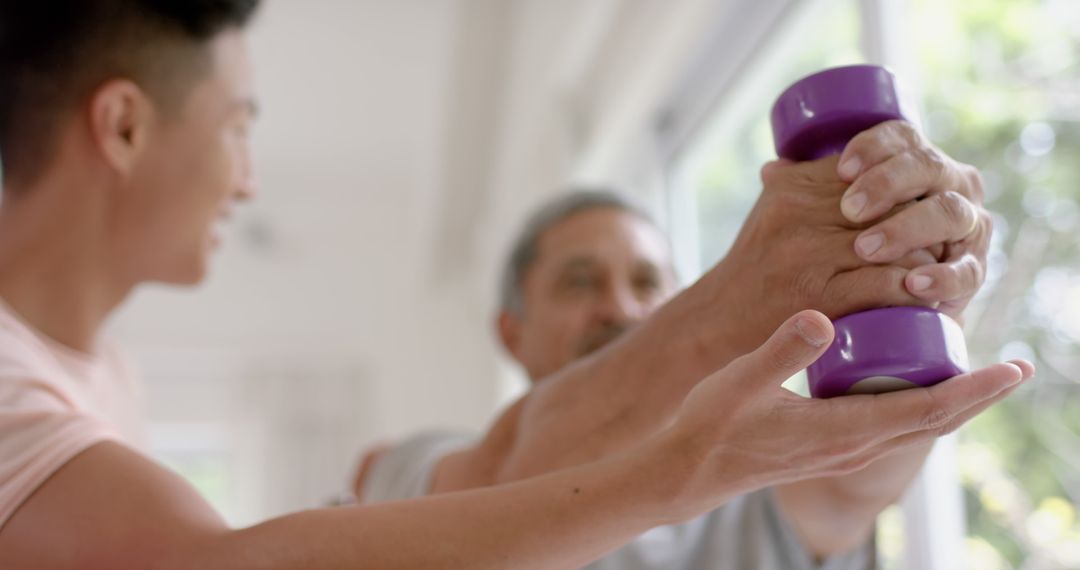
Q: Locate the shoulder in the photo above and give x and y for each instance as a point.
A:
(404, 470)
(120, 369)
(43, 421)
(30, 379)
(21, 356)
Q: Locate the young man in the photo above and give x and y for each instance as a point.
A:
(123, 137)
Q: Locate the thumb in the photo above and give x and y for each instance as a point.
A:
(795, 345)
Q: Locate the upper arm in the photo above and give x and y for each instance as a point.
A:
(108, 507)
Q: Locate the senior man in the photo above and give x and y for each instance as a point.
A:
(586, 268)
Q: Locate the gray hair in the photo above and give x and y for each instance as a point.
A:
(524, 251)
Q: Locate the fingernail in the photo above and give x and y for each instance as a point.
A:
(1017, 379)
(811, 332)
(869, 244)
(853, 204)
(921, 283)
(850, 168)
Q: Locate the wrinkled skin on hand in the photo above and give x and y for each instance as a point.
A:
(800, 249)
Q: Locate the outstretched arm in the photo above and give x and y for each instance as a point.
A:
(737, 431)
(111, 508)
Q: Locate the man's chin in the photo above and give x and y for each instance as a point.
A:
(186, 280)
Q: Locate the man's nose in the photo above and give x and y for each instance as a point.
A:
(247, 187)
(619, 305)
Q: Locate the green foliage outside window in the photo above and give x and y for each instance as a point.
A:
(1000, 81)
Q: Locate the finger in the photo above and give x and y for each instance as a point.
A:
(845, 258)
(946, 217)
(841, 245)
(874, 431)
(869, 288)
(795, 345)
(876, 145)
(934, 408)
(901, 178)
(1027, 371)
(947, 282)
(961, 274)
(860, 459)
(1025, 366)
(873, 448)
(971, 413)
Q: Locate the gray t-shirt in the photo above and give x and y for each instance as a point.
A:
(748, 532)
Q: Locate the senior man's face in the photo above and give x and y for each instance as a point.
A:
(596, 274)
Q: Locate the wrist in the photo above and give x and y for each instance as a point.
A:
(715, 322)
(673, 467)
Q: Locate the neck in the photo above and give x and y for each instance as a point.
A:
(55, 269)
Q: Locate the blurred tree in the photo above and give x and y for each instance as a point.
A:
(1002, 91)
(1001, 82)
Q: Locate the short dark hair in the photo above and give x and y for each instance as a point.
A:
(524, 251)
(54, 53)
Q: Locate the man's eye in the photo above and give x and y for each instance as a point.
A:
(579, 281)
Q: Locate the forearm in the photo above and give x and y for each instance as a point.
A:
(561, 520)
(881, 483)
(832, 515)
(110, 507)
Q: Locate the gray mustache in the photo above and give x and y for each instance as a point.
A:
(601, 337)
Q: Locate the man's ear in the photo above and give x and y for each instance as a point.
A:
(120, 118)
(509, 326)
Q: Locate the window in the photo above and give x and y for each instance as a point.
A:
(1002, 91)
(1000, 86)
(719, 169)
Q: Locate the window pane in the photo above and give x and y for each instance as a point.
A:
(720, 169)
(1002, 91)
(1001, 81)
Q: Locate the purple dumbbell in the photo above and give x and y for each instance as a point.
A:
(880, 350)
